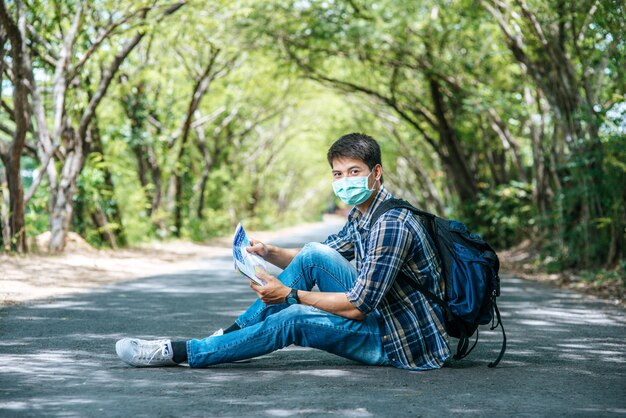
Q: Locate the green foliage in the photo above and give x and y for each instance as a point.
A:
(37, 213)
(504, 215)
(37, 209)
(603, 276)
(289, 77)
(215, 223)
(589, 239)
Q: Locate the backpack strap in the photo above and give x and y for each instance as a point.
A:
(462, 349)
(503, 349)
(428, 223)
(428, 219)
(394, 203)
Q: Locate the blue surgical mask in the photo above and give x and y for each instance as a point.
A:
(353, 190)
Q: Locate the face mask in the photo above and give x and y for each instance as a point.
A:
(352, 190)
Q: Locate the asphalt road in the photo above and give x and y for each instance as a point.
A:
(566, 357)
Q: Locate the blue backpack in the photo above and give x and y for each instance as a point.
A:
(470, 270)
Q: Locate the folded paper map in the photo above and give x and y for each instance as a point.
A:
(246, 262)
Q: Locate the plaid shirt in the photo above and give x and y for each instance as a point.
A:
(414, 334)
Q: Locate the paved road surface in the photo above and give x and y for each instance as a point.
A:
(566, 356)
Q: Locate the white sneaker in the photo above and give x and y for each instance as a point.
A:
(144, 353)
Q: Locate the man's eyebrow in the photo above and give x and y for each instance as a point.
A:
(348, 169)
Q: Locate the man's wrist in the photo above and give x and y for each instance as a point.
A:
(292, 297)
(271, 251)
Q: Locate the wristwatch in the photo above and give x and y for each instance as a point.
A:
(292, 297)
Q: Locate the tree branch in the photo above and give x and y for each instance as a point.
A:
(101, 38)
(203, 120)
(107, 77)
(4, 148)
(110, 72)
(51, 57)
(351, 87)
(7, 130)
(42, 41)
(60, 80)
(202, 85)
(585, 25)
(38, 177)
(20, 91)
(45, 57)
(7, 108)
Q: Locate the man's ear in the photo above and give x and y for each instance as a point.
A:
(378, 171)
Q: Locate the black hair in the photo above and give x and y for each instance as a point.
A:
(356, 146)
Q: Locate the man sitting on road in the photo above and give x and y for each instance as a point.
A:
(371, 313)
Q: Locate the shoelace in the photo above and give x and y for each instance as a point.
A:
(161, 349)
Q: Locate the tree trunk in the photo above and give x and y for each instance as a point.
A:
(494, 158)
(114, 235)
(570, 92)
(155, 172)
(17, 224)
(178, 205)
(209, 162)
(433, 200)
(2, 229)
(617, 236)
(147, 163)
(508, 142)
(61, 215)
(542, 193)
(199, 90)
(101, 221)
(448, 148)
(79, 222)
(5, 231)
(140, 157)
(455, 161)
(139, 109)
(21, 115)
(136, 105)
(62, 209)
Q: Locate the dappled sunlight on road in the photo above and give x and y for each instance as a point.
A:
(549, 326)
(59, 356)
(358, 412)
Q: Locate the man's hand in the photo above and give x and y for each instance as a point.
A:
(258, 248)
(274, 291)
(280, 257)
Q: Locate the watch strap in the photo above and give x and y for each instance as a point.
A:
(293, 295)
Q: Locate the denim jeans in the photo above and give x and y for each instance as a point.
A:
(266, 328)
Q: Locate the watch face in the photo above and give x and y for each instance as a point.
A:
(292, 297)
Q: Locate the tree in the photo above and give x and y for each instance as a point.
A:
(401, 56)
(572, 52)
(11, 154)
(65, 141)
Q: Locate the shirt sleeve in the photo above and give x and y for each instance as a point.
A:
(342, 242)
(389, 243)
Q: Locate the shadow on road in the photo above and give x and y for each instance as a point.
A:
(566, 356)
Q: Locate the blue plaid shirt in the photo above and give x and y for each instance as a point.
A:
(414, 334)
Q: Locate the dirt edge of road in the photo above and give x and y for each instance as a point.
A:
(35, 277)
(522, 261)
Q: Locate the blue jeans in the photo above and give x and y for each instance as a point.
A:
(266, 328)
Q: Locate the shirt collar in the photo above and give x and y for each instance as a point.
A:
(364, 219)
